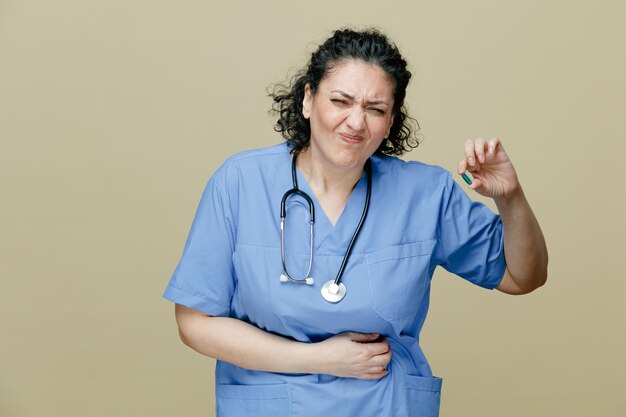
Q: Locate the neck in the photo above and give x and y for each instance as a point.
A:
(325, 177)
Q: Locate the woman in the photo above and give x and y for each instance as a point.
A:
(290, 339)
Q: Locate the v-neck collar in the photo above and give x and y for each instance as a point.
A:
(341, 233)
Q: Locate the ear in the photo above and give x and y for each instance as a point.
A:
(306, 102)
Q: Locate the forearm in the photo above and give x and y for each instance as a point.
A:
(524, 244)
(245, 345)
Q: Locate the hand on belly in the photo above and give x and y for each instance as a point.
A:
(353, 355)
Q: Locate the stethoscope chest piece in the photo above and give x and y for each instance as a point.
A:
(333, 293)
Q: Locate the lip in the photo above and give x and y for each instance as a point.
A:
(351, 138)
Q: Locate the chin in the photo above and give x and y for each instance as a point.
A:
(346, 160)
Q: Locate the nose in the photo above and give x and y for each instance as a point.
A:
(356, 119)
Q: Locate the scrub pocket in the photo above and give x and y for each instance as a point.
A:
(398, 277)
(253, 400)
(424, 395)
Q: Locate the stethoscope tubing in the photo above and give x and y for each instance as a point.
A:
(283, 214)
(366, 206)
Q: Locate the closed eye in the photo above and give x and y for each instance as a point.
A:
(376, 110)
(339, 101)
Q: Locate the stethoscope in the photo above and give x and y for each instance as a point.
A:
(332, 291)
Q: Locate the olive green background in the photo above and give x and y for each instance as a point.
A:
(113, 115)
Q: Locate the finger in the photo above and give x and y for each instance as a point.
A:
(461, 167)
(375, 369)
(493, 145)
(479, 149)
(476, 183)
(381, 360)
(378, 348)
(377, 375)
(363, 337)
(470, 157)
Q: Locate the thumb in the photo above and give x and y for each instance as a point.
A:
(476, 183)
(363, 337)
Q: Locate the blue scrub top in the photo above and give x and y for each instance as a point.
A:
(419, 218)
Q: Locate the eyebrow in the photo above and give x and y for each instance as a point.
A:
(346, 95)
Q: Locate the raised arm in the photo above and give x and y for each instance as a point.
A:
(355, 355)
(524, 245)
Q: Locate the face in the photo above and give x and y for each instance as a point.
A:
(350, 113)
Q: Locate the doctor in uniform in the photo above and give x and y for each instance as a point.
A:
(307, 269)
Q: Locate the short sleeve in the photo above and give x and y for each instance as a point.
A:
(204, 277)
(470, 238)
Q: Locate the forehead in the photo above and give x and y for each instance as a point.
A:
(358, 78)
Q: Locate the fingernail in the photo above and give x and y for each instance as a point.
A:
(470, 160)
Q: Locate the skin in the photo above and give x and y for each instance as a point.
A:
(350, 355)
(524, 245)
(350, 115)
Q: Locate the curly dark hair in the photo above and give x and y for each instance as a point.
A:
(370, 46)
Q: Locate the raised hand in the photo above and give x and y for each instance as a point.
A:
(492, 171)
